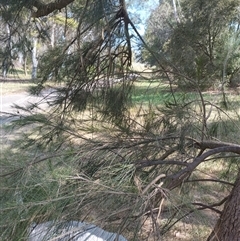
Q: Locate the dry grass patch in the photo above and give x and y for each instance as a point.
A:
(10, 86)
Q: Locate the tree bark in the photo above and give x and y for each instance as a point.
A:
(34, 59)
(45, 9)
(227, 227)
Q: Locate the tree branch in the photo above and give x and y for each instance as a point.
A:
(44, 9)
(202, 207)
(214, 144)
(178, 178)
(142, 164)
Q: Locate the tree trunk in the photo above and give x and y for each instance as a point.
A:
(228, 226)
(25, 64)
(34, 59)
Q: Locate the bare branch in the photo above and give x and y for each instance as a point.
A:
(178, 178)
(142, 164)
(45, 9)
(214, 144)
(212, 206)
(202, 207)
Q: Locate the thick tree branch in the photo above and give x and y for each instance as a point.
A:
(44, 9)
(214, 144)
(178, 178)
(142, 164)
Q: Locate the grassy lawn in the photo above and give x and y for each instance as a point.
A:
(16, 81)
(14, 87)
(158, 93)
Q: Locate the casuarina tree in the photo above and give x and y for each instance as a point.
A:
(136, 152)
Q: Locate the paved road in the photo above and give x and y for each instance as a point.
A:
(8, 101)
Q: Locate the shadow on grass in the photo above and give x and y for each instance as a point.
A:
(160, 94)
(15, 79)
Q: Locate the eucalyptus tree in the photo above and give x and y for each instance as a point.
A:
(159, 29)
(95, 154)
(16, 39)
(194, 43)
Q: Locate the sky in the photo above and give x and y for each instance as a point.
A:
(144, 10)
